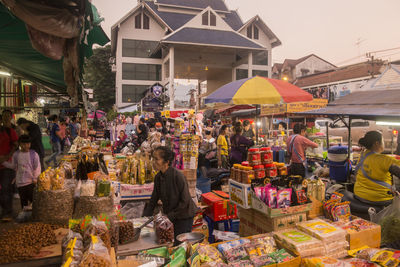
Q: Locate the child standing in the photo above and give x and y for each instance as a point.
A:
(26, 163)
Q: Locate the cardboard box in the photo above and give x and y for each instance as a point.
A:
(260, 206)
(219, 206)
(240, 194)
(253, 222)
(370, 237)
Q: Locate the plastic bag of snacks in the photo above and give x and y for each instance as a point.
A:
(164, 229)
(88, 188)
(323, 231)
(72, 247)
(97, 254)
(126, 230)
(384, 257)
(302, 243)
(99, 229)
(103, 188)
(324, 262)
(208, 253)
(158, 252)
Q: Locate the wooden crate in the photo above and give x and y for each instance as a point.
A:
(317, 209)
(253, 222)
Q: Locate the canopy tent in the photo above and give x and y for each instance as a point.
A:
(369, 105)
(378, 105)
(47, 43)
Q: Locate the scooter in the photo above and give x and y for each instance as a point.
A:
(208, 168)
(359, 208)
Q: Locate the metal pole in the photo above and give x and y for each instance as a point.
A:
(349, 149)
(257, 107)
(327, 134)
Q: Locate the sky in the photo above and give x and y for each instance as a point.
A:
(330, 29)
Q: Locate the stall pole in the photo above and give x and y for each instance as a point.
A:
(349, 149)
(257, 108)
(327, 135)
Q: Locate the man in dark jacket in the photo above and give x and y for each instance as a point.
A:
(171, 187)
(35, 134)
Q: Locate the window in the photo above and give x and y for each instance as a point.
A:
(143, 72)
(205, 19)
(249, 32)
(138, 21)
(133, 93)
(138, 48)
(146, 22)
(255, 32)
(359, 124)
(213, 19)
(260, 58)
(241, 74)
(262, 73)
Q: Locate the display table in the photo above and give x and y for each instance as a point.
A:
(147, 241)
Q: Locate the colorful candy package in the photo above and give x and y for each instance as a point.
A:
(272, 197)
(283, 198)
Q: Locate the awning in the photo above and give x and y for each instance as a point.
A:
(369, 105)
(17, 28)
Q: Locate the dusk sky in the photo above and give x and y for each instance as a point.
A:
(327, 28)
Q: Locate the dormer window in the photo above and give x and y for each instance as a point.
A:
(250, 31)
(209, 19)
(138, 21)
(255, 32)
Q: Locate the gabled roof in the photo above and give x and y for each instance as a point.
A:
(176, 20)
(173, 20)
(291, 63)
(274, 39)
(277, 66)
(355, 71)
(211, 37)
(389, 79)
(218, 5)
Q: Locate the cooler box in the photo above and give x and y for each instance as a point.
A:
(338, 163)
(219, 206)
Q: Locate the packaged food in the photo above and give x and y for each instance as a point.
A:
(208, 253)
(336, 195)
(254, 156)
(97, 254)
(261, 261)
(271, 197)
(341, 211)
(320, 190)
(103, 188)
(242, 263)
(126, 232)
(359, 263)
(280, 256)
(380, 256)
(283, 198)
(232, 244)
(266, 155)
(271, 170)
(100, 230)
(179, 261)
(302, 243)
(164, 229)
(323, 231)
(160, 252)
(259, 171)
(324, 262)
(88, 188)
(299, 196)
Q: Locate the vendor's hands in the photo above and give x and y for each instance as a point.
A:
(219, 163)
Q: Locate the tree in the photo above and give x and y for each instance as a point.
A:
(99, 77)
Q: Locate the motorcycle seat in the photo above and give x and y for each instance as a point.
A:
(358, 207)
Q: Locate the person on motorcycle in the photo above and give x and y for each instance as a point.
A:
(120, 141)
(374, 182)
(208, 146)
(223, 148)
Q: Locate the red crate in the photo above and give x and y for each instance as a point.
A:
(219, 206)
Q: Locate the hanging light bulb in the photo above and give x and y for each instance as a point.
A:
(206, 68)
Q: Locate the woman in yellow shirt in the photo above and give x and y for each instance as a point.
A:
(223, 150)
(374, 181)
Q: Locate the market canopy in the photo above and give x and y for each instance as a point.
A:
(369, 105)
(258, 91)
(47, 43)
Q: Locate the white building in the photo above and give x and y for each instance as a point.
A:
(163, 40)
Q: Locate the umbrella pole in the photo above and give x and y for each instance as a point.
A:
(257, 108)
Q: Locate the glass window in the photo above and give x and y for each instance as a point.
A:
(255, 32)
(260, 58)
(146, 22)
(133, 93)
(213, 19)
(138, 21)
(241, 74)
(205, 18)
(359, 124)
(262, 73)
(138, 48)
(249, 32)
(143, 72)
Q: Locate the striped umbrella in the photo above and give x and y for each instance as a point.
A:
(258, 91)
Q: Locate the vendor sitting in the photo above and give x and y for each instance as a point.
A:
(374, 183)
(171, 187)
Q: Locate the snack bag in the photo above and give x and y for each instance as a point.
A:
(97, 254)
(341, 211)
(336, 195)
(283, 198)
(164, 229)
(324, 262)
(272, 197)
(160, 252)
